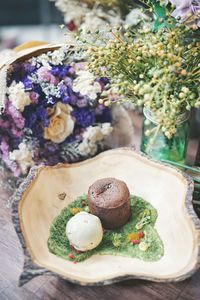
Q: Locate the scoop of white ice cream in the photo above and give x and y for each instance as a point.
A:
(84, 231)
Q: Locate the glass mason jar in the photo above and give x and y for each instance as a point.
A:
(158, 146)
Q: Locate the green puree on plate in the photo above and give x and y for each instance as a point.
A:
(122, 242)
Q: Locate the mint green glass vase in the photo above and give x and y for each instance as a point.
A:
(158, 146)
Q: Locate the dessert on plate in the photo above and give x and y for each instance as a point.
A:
(109, 199)
(108, 220)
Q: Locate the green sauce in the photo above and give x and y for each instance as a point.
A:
(115, 242)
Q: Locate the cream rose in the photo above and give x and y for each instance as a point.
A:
(61, 123)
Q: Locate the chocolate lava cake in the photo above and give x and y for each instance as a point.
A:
(109, 199)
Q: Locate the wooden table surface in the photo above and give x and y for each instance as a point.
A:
(11, 262)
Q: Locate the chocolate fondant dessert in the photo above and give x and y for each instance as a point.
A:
(109, 199)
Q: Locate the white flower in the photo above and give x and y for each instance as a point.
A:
(92, 135)
(41, 59)
(23, 157)
(86, 85)
(18, 96)
(106, 129)
(88, 148)
(58, 56)
(98, 18)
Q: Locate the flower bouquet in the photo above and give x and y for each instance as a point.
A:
(50, 111)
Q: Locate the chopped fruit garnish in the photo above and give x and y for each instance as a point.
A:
(75, 210)
(71, 255)
(77, 251)
(133, 236)
(141, 234)
(143, 246)
(135, 242)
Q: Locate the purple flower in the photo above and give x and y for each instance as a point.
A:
(55, 70)
(4, 124)
(68, 81)
(27, 84)
(73, 96)
(71, 71)
(29, 68)
(43, 115)
(44, 74)
(4, 147)
(54, 80)
(60, 71)
(185, 8)
(82, 102)
(51, 147)
(16, 132)
(84, 117)
(30, 117)
(37, 88)
(34, 97)
(65, 99)
(16, 115)
(103, 81)
(64, 71)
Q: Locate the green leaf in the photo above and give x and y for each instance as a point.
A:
(161, 18)
(160, 11)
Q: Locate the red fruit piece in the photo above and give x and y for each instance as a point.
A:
(71, 255)
(141, 234)
(135, 242)
(78, 251)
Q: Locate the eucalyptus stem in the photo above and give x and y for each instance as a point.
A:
(181, 165)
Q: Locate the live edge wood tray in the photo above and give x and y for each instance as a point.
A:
(37, 202)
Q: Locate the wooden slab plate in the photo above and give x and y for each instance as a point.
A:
(167, 189)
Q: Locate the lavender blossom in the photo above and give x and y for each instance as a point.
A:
(185, 9)
(84, 117)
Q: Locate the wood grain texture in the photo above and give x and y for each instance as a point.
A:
(50, 288)
(39, 204)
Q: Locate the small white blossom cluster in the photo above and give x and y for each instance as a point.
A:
(23, 156)
(55, 57)
(92, 136)
(97, 18)
(96, 15)
(85, 84)
(18, 96)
